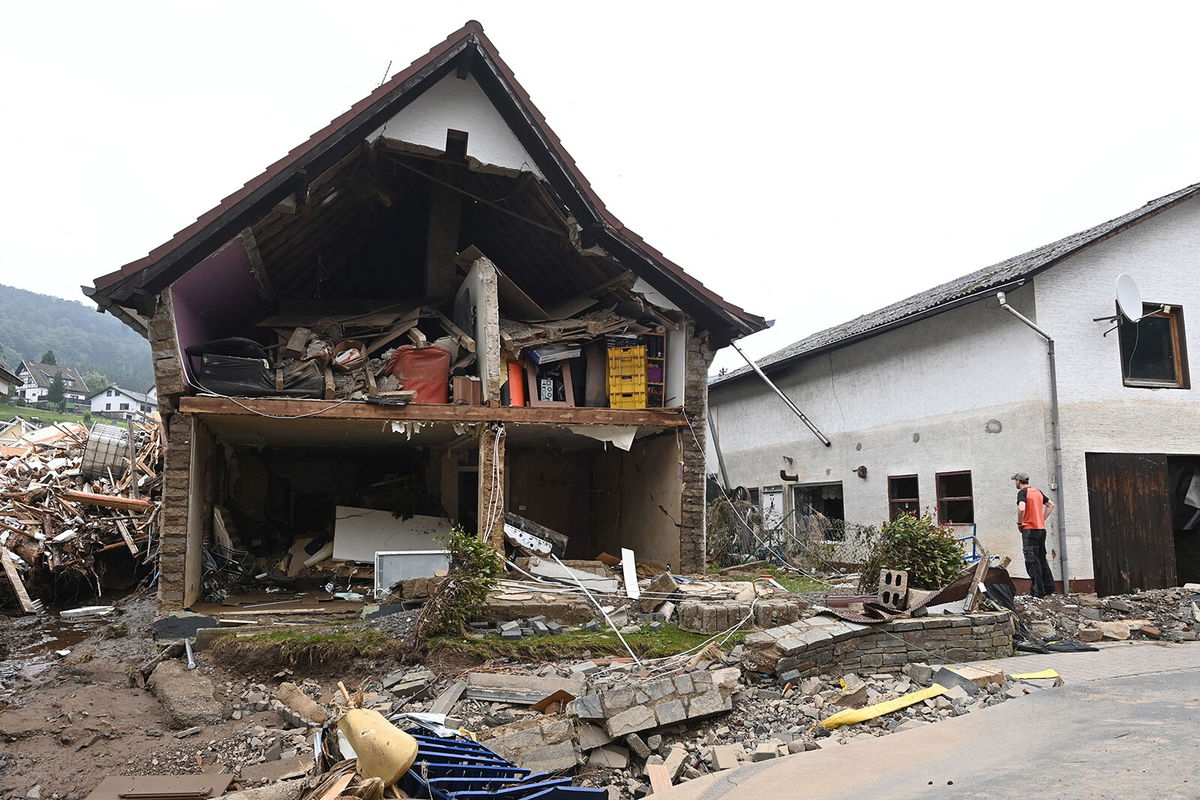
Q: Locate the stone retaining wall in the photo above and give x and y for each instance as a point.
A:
(824, 644)
(700, 616)
(663, 701)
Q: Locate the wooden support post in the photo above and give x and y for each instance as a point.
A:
(491, 485)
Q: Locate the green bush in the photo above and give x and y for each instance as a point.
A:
(474, 568)
(918, 545)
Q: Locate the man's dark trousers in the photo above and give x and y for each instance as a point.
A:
(1033, 545)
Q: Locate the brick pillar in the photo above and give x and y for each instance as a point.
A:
(173, 518)
(695, 406)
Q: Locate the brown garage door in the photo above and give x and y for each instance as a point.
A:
(1133, 546)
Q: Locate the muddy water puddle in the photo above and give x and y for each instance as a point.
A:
(32, 645)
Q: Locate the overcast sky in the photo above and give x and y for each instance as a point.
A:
(810, 162)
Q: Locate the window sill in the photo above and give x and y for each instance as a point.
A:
(1155, 385)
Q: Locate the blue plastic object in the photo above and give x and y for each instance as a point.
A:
(460, 769)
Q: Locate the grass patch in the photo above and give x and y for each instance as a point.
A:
(8, 411)
(304, 647)
(667, 642)
(799, 584)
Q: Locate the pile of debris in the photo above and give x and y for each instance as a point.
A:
(1171, 615)
(73, 502)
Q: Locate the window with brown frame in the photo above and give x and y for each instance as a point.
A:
(956, 505)
(1154, 350)
(903, 496)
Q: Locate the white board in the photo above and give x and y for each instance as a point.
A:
(359, 533)
(394, 566)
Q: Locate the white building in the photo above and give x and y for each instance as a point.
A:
(8, 380)
(113, 401)
(935, 401)
(36, 379)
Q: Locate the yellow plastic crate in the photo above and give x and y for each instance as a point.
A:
(627, 360)
(627, 400)
(625, 384)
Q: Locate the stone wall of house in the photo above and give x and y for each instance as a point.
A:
(695, 406)
(173, 517)
(713, 617)
(824, 644)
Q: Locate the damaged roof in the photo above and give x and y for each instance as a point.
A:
(467, 50)
(952, 293)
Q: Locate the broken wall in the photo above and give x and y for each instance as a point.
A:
(637, 499)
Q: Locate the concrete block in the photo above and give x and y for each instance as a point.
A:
(638, 718)
(588, 707)
(708, 703)
(670, 712)
(950, 679)
(590, 736)
(764, 752)
(610, 756)
(638, 746)
(675, 759)
(724, 756)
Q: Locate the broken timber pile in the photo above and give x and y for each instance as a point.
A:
(61, 510)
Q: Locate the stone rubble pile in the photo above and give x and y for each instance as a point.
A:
(1171, 615)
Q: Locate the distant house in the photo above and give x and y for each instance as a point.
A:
(36, 379)
(8, 379)
(113, 401)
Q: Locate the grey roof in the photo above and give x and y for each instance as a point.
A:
(43, 376)
(138, 397)
(949, 294)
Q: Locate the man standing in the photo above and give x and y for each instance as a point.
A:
(1032, 509)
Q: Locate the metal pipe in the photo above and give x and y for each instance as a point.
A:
(1058, 465)
(716, 440)
(795, 409)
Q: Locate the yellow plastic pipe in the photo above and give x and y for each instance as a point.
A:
(852, 715)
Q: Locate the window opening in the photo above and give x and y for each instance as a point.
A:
(956, 505)
(903, 496)
(820, 511)
(1153, 349)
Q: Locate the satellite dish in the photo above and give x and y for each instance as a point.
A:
(1129, 298)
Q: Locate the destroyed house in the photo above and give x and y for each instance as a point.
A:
(423, 315)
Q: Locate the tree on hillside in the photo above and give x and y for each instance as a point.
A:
(57, 393)
(48, 357)
(94, 382)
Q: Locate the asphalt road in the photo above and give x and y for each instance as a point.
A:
(1125, 738)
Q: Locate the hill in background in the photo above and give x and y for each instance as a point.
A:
(31, 324)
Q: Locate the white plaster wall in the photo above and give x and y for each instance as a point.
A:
(915, 400)
(1099, 413)
(459, 104)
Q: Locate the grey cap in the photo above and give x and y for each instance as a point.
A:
(1023, 477)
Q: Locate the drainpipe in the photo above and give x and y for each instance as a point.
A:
(1058, 465)
(787, 400)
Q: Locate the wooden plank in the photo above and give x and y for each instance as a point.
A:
(642, 418)
(297, 342)
(105, 500)
(401, 327)
(464, 340)
(133, 548)
(10, 569)
(417, 338)
(446, 701)
(660, 778)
